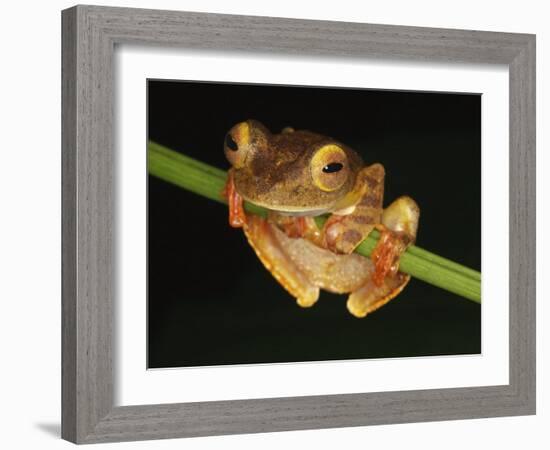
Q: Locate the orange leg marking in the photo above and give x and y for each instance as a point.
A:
(237, 216)
(296, 228)
(385, 256)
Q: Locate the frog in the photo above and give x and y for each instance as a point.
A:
(299, 176)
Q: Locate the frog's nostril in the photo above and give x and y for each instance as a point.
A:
(230, 143)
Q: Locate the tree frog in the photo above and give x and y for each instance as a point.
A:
(297, 175)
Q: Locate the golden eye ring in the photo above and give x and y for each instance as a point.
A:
(329, 168)
(230, 142)
(236, 144)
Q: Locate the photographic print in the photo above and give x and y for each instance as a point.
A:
(294, 223)
(256, 196)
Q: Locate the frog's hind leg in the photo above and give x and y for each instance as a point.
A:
(370, 296)
(261, 236)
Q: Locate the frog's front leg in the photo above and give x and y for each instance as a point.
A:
(397, 223)
(398, 231)
(237, 216)
(344, 231)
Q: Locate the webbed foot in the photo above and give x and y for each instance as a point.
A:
(371, 296)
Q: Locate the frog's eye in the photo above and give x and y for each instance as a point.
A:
(333, 167)
(230, 143)
(329, 168)
(236, 144)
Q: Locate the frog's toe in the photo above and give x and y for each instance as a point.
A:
(402, 216)
(338, 238)
(370, 296)
(309, 298)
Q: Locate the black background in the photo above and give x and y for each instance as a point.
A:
(210, 300)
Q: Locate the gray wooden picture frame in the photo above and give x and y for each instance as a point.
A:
(90, 34)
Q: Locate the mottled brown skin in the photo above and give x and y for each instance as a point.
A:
(345, 232)
(277, 166)
(298, 175)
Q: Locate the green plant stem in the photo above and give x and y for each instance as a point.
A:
(208, 181)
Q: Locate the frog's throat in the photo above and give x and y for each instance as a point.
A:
(290, 210)
(347, 203)
(343, 206)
